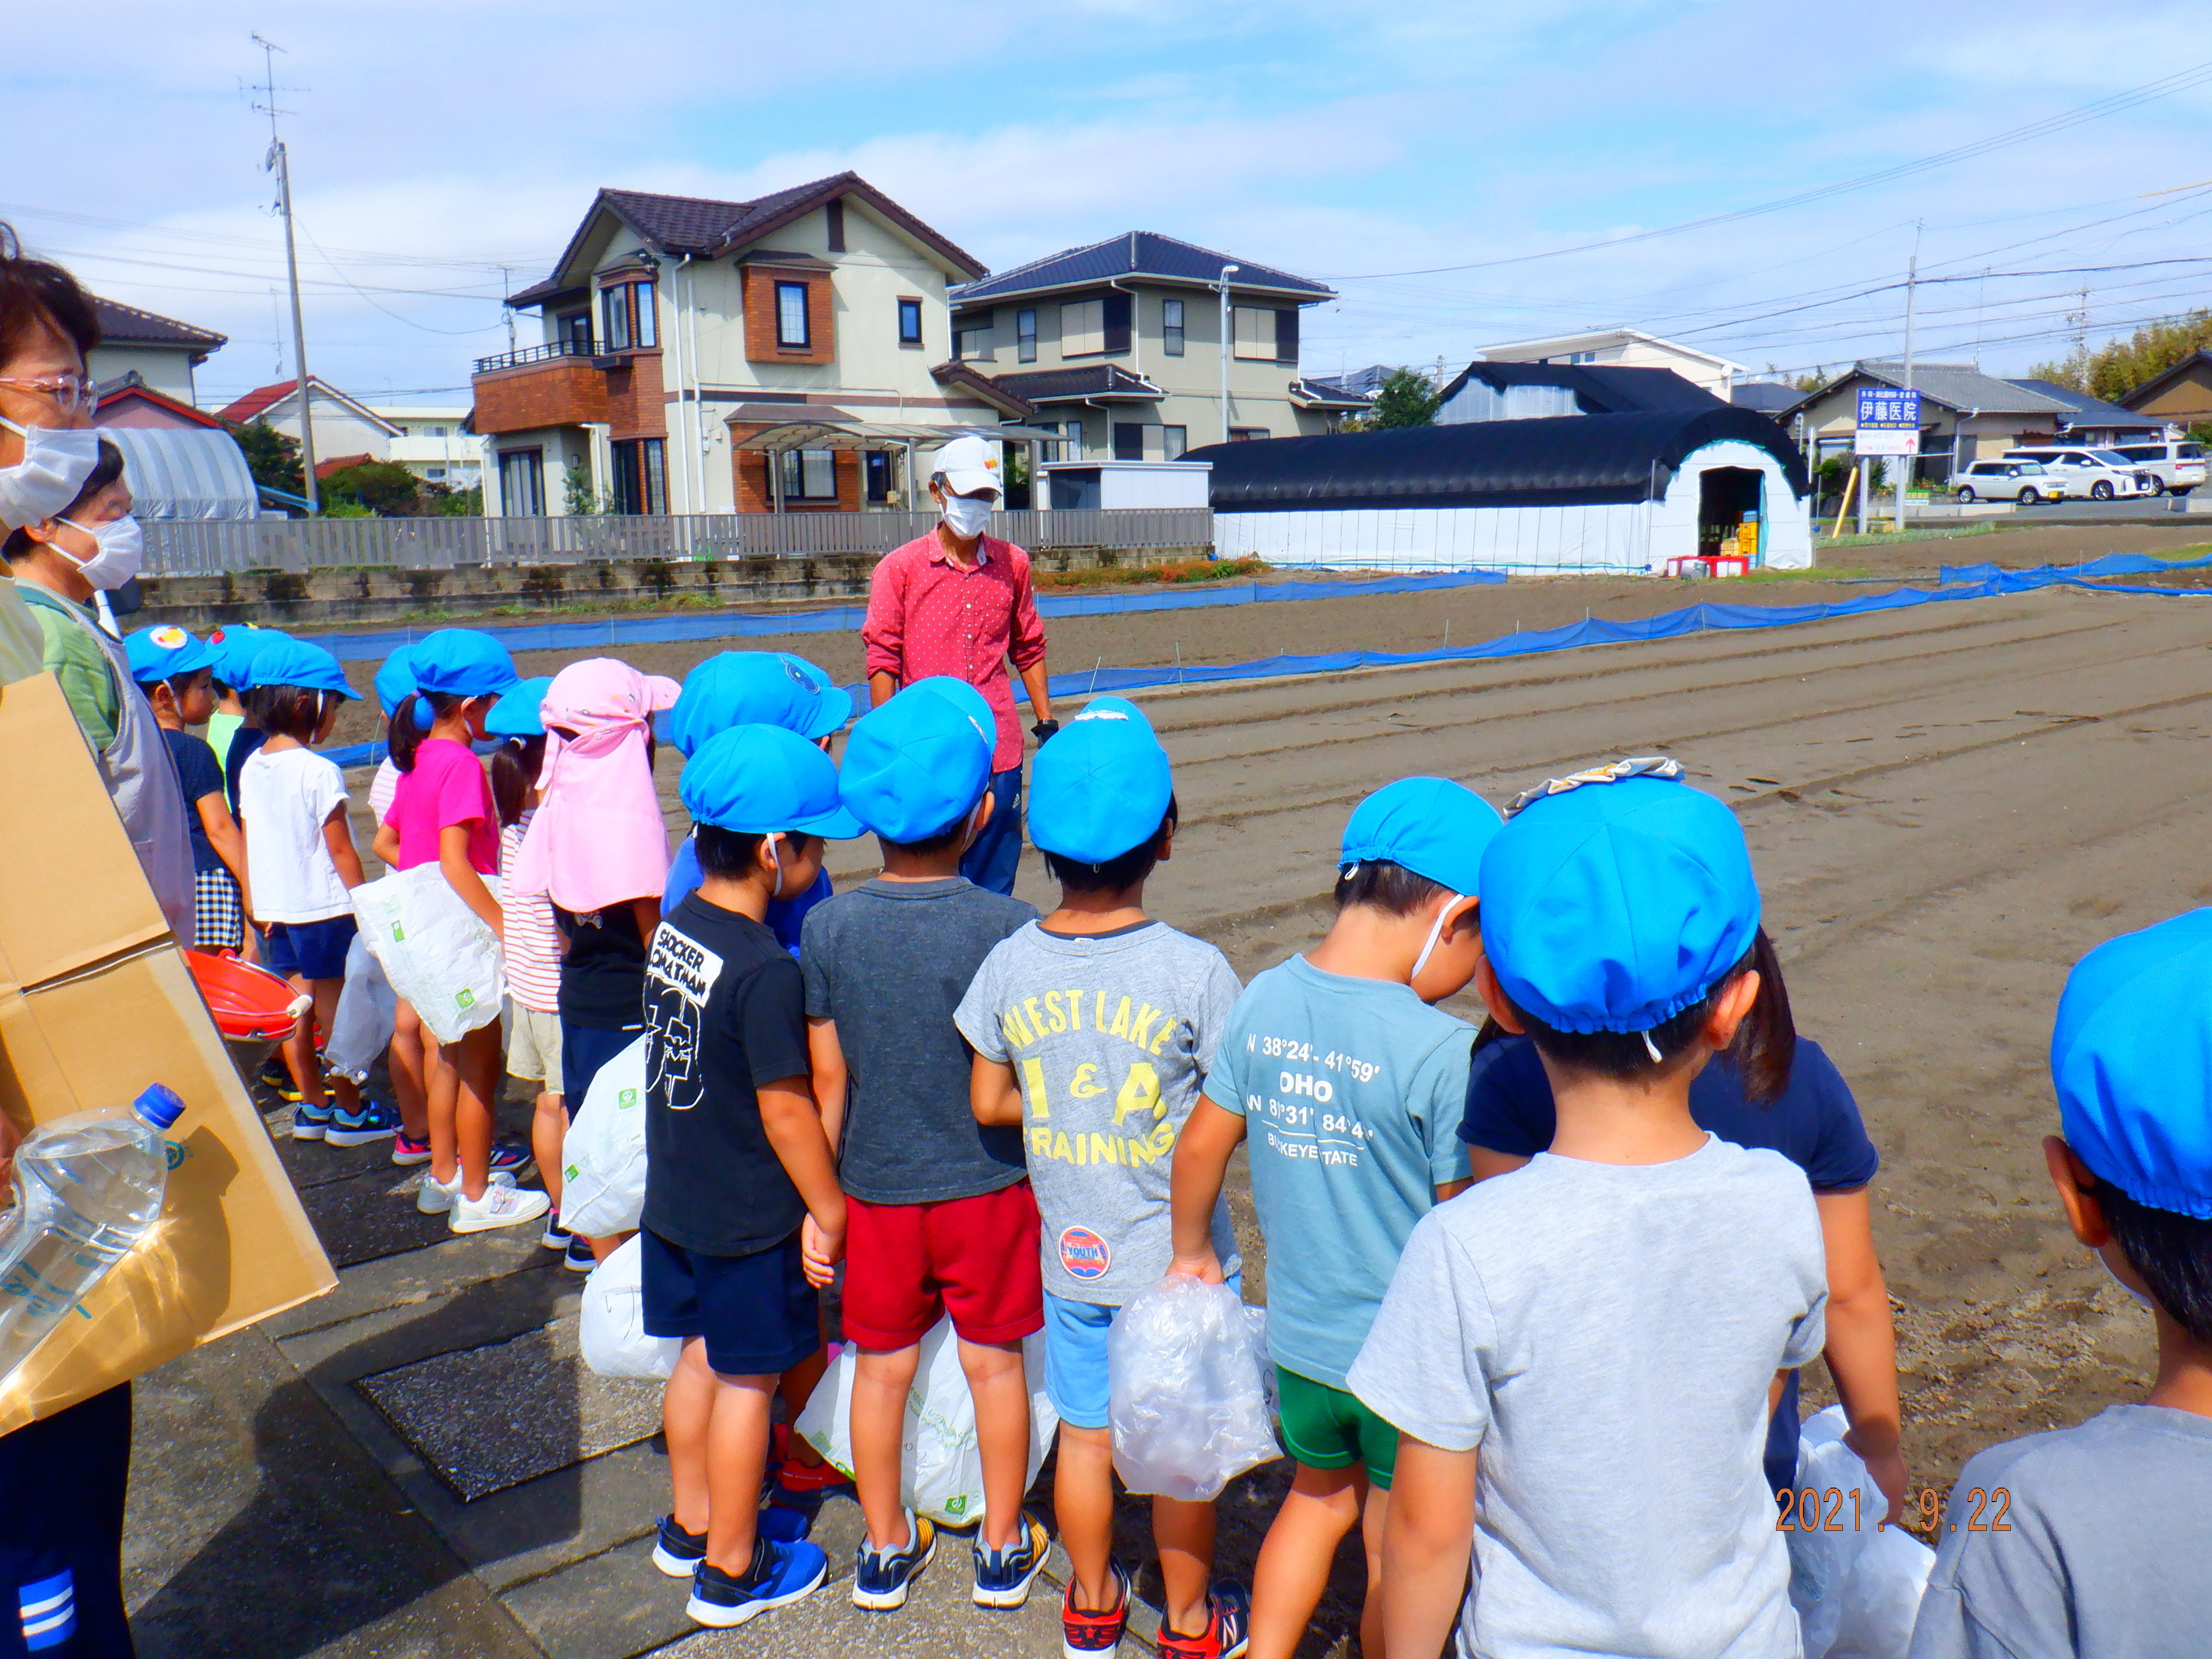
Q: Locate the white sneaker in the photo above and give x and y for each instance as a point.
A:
(435, 1197)
(499, 1206)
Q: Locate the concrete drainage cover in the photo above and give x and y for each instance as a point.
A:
(490, 1418)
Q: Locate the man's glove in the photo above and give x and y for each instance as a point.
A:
(1044, 731)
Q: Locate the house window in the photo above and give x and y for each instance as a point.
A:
(1256, 333)
(641, 475)
(522, 483)
(910, 319)
(877, 465)
(1171, 327)
(791, 315)
(645, 329)
(810, 474)
(1083, 328)
(575, 330)
(614, 317)
(1025, 335)
(1128, 441)
(970, 343)
(1174, 439)
(434, 471)
(1070, 448)
(437, 432)
(1239, 434)
(833, 218)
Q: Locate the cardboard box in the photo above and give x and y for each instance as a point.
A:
(96, 1001)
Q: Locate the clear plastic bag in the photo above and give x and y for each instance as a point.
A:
(603, 1154)
(439, 955)
(611, 1331)
(1857, 1589)
(362, 1029)
(1186, 1368)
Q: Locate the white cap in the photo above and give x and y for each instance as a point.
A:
(968, 464)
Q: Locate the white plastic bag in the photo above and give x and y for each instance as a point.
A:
(439, 955)
(361, 1031)
(1857, 1589)
(1189, 1412)
(603, 1154)
(612, 1332)
(943, 1471)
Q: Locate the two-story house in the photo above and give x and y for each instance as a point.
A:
(676, 329)
(1120, 347)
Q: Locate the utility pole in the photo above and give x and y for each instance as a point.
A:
(505, 288)
(1905, 463)
(278, 162)
(1227, 271)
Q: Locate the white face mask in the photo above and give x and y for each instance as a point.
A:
(967, 515)
(1436, 932)
(57, 461)
(122, 549)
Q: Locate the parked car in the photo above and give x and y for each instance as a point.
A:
(2098, 474)
(2024, 482)
(2179, 467)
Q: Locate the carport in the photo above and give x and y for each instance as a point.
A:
(822, 431)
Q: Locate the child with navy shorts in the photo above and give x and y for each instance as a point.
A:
(743, 1218)
(1093, 1028)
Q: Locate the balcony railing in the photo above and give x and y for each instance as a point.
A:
(539, 353)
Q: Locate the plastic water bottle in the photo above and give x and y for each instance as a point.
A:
(88, 1187)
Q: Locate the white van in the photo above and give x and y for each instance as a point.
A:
(2179, 467)
(2025, 482)
(2098, 474)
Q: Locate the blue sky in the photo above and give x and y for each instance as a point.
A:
(431, 142)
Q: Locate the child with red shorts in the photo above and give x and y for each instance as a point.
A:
(939, 1216)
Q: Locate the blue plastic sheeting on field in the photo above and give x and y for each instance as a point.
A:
(846, 618)
(2112, 564)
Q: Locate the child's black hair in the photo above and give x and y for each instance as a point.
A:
(408, 726)
(1382, 885)
(1764, 1049)
(2171, 1251)
(514, 768)
(290, 711)
(1120, 873)
(177, 684)
(731, 853)
(20, 543)
(943, 841)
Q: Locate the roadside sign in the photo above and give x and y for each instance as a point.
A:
(1888, 421)
(1876, 440)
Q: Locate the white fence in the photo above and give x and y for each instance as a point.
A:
(210, 548)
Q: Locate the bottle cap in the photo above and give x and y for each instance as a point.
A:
(159, 1105)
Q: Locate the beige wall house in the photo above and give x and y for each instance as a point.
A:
(1118, 345)
(346, 429)
(2182, 396)
(1622, 348)
(677, 328)
(161, 351)
(1965, 415)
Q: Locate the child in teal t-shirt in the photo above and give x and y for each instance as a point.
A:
(1349, 1086)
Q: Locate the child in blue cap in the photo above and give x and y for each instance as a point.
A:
(943, 1223)
(1093, 1029)
(301, 866)
(1349, 1082)
(176, 671)
(743, 1215)
(1589, 1341)
(2097, 1540)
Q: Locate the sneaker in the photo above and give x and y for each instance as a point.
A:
(309, 1121)
(781, 1574)
(406, 1151)
(881, 1578)
(1228, 1628)
(556, 1236)
(793, 1476)
(373, 1120)
(435, 1197)
(577, 1257)
(277, 1076)
(1084, 1635)
(1003, 1575)
(499, 1206)
(510, 1155)
(678, 1552)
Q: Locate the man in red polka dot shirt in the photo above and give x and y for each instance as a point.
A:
(958, 601)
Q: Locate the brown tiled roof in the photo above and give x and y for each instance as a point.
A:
(122, 325)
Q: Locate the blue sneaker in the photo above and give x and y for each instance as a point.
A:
(310, 1122)
(781, 1573)
(510, 1155)
(881, 1578)
(373, 1120)
(1003, 1575)
(678, 1552)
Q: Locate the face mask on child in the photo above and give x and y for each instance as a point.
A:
(1436, 932)
(57, 461)
(966, 515)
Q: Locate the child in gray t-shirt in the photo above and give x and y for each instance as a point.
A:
(2096, 1541)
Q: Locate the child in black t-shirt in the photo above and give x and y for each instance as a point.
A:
(176, 672)
(743, 1219)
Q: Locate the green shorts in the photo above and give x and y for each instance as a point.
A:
(1325, 1428)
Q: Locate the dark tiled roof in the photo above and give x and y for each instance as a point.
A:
(1768, 396)
(2081, 409)
(1136, 253)
(122, 325)
(1360, 383)
(994, 391)
(1045, 386)
(1599, 388)
(1314, 393)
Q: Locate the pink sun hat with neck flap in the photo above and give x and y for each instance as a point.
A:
(598, 838)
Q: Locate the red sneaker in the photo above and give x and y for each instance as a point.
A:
(1229, 1618)
(795, 1476)
(1084, 1635)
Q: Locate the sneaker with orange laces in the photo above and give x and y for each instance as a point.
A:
(1228, 1628)
(1085, 1634)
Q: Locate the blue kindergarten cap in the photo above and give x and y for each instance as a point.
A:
(758, 780)
(755, 688)
(165, 651)
(1100, 788)
(395, 680)
(1615, 904)
(2131, 1059)
(968, 700)
(1432, 826)
(287, 661)
(916, 765)
(462, 662)
(237, 645)
(516, 714)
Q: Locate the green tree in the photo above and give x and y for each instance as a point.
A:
(449, 503)
(385, 488)
(1407, 397)
(272, 458)
(2119, 366)
(577, 494)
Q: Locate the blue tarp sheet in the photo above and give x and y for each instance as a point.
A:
(2112, 564)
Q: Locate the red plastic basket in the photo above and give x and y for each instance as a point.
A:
(254, 1009)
